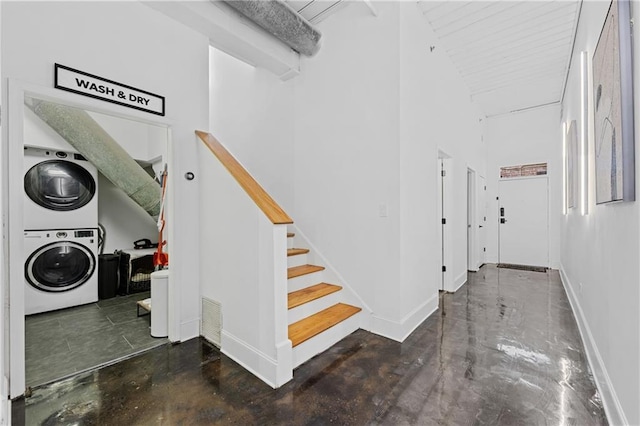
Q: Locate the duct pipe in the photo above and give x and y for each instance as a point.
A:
(281, 21)
(96, 145)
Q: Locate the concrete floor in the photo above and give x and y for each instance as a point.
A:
(503, 350)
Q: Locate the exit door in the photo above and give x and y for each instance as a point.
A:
(523, 221)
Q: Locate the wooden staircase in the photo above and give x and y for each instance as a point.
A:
(317, 316)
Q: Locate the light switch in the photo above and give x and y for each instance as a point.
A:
(383, 210)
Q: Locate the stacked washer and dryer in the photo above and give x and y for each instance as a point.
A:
(61, 230)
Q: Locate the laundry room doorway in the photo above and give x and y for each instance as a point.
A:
(82, 240)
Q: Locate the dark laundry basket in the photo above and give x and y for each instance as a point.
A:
(108, 275)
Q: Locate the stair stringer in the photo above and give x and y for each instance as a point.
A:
(332, 276)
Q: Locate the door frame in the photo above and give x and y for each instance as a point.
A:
(445, 210)
(12, 281)
(481, 216)
(472, 219)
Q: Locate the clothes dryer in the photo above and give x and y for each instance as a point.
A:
(61, 190)
(60, 269)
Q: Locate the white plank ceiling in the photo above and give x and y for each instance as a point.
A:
(513, 55)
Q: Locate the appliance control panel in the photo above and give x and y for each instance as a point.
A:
(84, 233)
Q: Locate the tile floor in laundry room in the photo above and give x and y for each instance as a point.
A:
(67, 341)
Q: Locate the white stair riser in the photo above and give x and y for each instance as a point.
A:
(304, 281)
(290, 242)
(297, 260)
(323, 341)
(313, 307)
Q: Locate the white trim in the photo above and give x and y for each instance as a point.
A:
(15, 339)
(189, 329)
(612, 407)
(460, 281)
(342, 282)
(445, 201)
(400, 330)
(258, 363)
(471, 219)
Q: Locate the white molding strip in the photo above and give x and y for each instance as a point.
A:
(400, 330)
(258, 363)
(460, 281)
(344, 283)
(189, 329)
(612, 407)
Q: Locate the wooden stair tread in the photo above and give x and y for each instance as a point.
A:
(297, 271)
(296, 251)
(300, 297)
(315, 324)
(290, 235)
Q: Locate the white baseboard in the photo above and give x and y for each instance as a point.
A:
(189, 329)
(460, 281)
(258, 363)
(400, 330)
(612, 406)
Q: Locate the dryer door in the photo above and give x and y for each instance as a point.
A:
(59, 185)
(60, 266)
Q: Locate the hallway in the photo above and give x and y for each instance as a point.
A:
(504, 349)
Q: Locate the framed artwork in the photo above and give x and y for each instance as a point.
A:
(613, 108)
(573, 179)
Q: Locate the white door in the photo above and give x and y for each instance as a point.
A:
(440, 201)
(472, 248)
(444, 205)
(524, 222)
(482, 220)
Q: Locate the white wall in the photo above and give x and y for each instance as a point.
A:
(124, 220)
(526, 137)
(600, 252)
(435, 113)
(372, 109)
(347, 152)
(252, 114)
(130, 43)
(245, 273)
(357, 133)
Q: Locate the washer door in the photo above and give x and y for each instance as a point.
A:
(59, 266)
(59, 185)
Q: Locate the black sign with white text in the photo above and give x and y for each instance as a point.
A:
(100, 88)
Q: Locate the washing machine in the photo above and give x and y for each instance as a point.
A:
(60, 269)
(61, 190)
